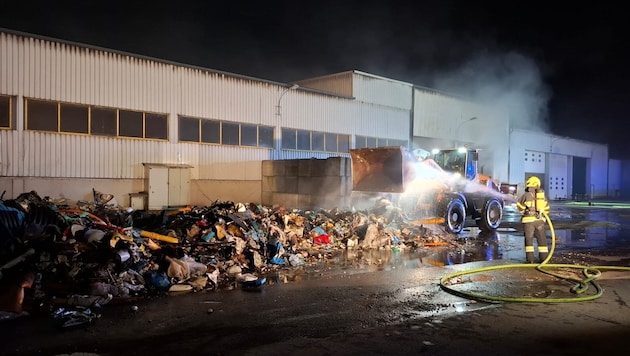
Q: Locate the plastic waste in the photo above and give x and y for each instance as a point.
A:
(209, 236)
(176, 268)
(96, 301)
(69, 317)
(195, 268)
(296, 260)
(254, 284)
(159, 280)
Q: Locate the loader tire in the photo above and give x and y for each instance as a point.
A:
(491, 215)
(454, 216)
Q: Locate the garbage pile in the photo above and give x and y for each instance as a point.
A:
(71, 257)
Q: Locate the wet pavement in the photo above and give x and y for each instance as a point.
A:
(378, 302)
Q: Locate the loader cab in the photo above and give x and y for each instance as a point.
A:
(462, 161)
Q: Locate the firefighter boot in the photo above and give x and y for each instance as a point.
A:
(529, 253)
(529, 257)
(543, 253)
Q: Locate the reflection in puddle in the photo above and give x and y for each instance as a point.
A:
(579, 229)
(484, 247)
(575, 230)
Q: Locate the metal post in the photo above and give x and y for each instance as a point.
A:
(278, 147)
(459, 127)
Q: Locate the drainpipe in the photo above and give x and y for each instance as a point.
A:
(411, 116)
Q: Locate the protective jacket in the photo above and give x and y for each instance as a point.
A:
(532, 204)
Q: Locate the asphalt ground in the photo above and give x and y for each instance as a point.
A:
(396, 309)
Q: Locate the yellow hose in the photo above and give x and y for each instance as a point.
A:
(580, 285)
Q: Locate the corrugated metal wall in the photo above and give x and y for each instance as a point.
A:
(339, 83)
(365, 87)
(368, 105)
(45, 69)
(382, 91)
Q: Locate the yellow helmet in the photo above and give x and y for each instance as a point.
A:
(532, 182)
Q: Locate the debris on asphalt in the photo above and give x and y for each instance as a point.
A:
(68, 258)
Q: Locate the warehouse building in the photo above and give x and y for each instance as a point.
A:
(75, 117)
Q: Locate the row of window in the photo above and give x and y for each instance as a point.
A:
(294, 139)
(192, 129)
(42, 115)
(52, 116)
(371, 142)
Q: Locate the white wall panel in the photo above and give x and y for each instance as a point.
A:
(339, 83)
(61, 71)
(615, 172)
(364, 87)
(9, 153)
(383, 91)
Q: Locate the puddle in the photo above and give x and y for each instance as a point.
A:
(581, 231)
(481, 247)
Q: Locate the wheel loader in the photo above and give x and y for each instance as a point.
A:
(443, 186)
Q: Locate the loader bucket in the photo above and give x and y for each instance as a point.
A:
(382, 169)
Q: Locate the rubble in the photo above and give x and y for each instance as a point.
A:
(78, 256)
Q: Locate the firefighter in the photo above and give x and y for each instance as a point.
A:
(532, 204)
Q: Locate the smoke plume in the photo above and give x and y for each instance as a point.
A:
(512, 81)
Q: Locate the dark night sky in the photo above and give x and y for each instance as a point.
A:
(560, 68)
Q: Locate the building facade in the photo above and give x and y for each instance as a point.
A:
(74, 118)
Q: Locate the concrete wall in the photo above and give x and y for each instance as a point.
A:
(307, 183)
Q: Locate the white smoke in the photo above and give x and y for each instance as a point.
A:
(511, 80)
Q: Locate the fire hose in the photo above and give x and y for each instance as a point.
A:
(590, 275)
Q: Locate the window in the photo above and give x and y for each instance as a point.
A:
(155, 126)
(265, 136)
(73, 118)
(188, 129)
(103, 121)
(343, 143)
(249, 135)
(6, 111)
(360, 141)
(331, 142)
(142, 125)
(131, 123)
(303, 140)
(210, 131)
(229, 133)
(41, 115)
(317, 143)
(371, 142)
(289, 138)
